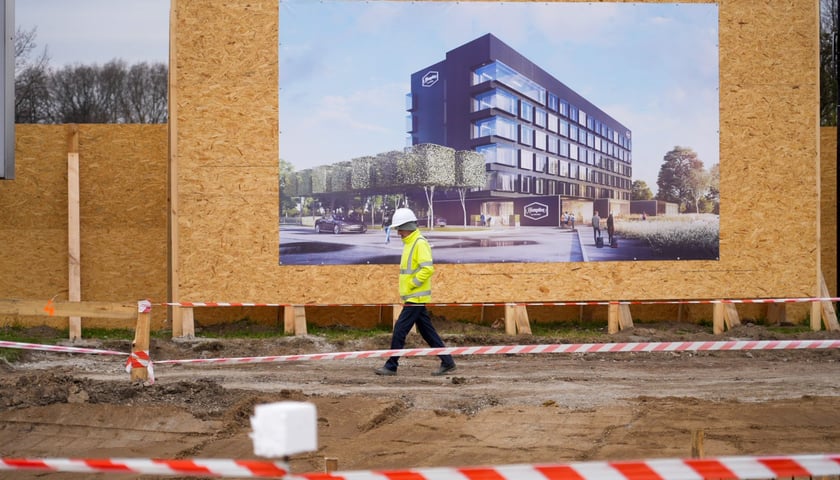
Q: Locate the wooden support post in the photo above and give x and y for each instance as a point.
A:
(187, 322)
(516, 320)
(176, 317)
(69, 309)
(625, 319)
(141, 339)
(724, 316)
(827, 313)
(74, 248)
(718, 311)
(697, 449)
(618, 317)
(173, 262)
(612, 318)
(731, 315)
(294, 320)
(330, 464)
(816, 316)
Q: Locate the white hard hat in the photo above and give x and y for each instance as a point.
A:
(402, 216)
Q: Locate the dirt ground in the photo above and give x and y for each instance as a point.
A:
(494, 410)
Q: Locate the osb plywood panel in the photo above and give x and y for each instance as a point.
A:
(122, 209)
(225, 62)
(33, 217)
(828, 206)
(225, 56)
(768, 42)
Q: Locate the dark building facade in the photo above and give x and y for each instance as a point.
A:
(539, 138)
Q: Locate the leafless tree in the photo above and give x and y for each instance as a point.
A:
(32, 73)
(145, 93)
(111, 93)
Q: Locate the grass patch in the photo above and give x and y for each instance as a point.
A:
(341, 332)
(571, 330)
(25, 335)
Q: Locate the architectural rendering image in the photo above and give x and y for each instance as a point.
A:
(500, 157)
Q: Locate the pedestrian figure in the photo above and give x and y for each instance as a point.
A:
(596, 226)
(386, 225)
(610, 227)
(415, 286)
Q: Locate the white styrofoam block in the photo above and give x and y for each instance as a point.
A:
(284, 428)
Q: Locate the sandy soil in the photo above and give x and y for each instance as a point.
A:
(495, 409)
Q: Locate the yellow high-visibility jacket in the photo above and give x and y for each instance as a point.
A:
(416, 269)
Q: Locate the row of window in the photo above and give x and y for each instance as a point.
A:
(537, 162)
(500, 127)
(516, 183)
(528, 135)
(506, 101)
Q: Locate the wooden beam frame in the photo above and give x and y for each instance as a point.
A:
(52, 308)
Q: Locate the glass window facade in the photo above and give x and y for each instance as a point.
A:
(526, 135)
(501, 73)
(501, 154)
(495, 98)
(498, 126)
(531, 129)
(501, 181)
(526, 111)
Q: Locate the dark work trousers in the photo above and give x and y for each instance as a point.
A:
(415, 314)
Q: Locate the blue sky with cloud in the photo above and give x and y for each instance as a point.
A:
(345, 69)
(345, 65)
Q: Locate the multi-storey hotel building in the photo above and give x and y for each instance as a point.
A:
(547, 149)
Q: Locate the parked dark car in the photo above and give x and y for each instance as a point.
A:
(339, 224)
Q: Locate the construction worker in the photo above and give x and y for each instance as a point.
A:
(415, 285)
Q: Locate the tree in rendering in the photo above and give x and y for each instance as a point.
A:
(679, 177)
(469, 173)
(428, 166)
(640, 191)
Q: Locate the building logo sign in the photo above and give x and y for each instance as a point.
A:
(536, 211)
(430, 78)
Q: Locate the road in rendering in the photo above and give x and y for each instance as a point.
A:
(301, 245)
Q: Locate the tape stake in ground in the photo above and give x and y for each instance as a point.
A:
(141, 359)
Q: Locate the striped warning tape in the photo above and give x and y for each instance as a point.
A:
(507, 304)
(57, 348)
(695, 469)
(139, 359)
(732, 345)
(745, 468)
(206, 468)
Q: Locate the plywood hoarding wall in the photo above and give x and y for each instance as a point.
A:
(122, 211)
(224, 140)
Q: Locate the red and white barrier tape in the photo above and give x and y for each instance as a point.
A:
(731, 345)
(57, 348)
(140, 359)
(205, 468)
(508, 304)
(695, 469)
(745, 468)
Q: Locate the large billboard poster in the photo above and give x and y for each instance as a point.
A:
(517, 131)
